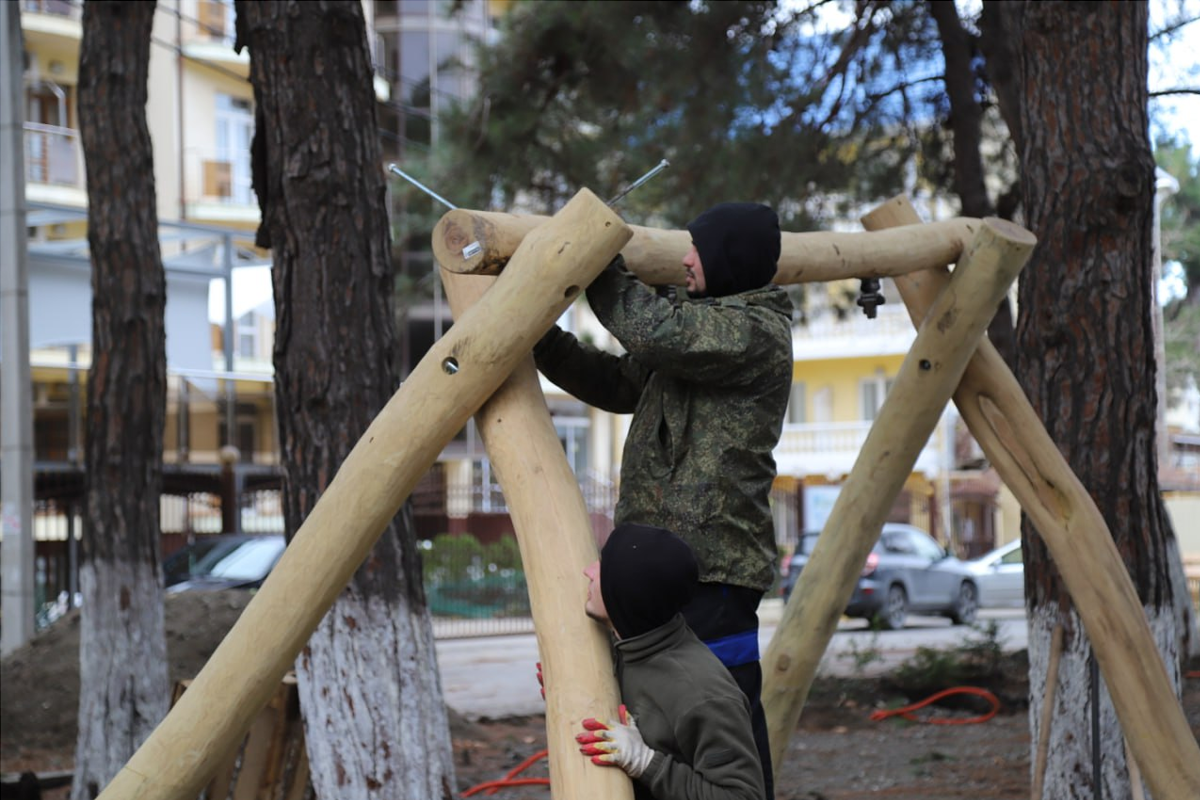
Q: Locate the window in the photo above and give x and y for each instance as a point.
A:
(823, 405)
(573, 434)
(216, 19)
(414, 67)
(245, 437)
(925, 546)
(247, 335)
(230, 172)
(871, 394)
(797, 413)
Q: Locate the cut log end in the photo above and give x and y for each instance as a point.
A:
(1010, 231)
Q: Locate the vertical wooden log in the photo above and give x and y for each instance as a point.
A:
(931, 371)
(555, 535)
(995, 408)
(451, 382)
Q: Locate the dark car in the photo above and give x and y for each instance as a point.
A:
(222, 561)
(906, 571)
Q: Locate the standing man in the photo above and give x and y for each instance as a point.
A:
(689, 734)
(707, 379)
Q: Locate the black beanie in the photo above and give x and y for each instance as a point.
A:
(647, 575)
(738, 245)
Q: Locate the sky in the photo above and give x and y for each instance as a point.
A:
(1174, 64)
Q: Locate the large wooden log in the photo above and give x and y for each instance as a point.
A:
(449, 384)
(555, 536)
(481, 242)
(1009, 431)
(927, 378)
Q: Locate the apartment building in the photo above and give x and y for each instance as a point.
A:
(220, 430)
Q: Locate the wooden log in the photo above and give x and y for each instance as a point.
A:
(449, 384)
(480, 243)
(1011, 434)
(554, 533)
(927, 378)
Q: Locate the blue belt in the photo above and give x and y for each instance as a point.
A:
(735, 650)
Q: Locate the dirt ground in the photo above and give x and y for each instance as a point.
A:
(837, 752)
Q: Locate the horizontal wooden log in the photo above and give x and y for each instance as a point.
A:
(449, 384)
(927, 378)
(554, 533)
(1011, 434)
(481, 242)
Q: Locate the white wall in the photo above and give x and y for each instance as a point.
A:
(60, 311)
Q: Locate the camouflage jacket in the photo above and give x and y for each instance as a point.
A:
(707, 382)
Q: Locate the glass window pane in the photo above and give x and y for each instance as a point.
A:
(414, 61)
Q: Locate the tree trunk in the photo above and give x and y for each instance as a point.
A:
(1085, 346)
(124, 689)
(966, 121)
(375, 721)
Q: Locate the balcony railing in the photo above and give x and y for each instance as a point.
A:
(832, 447)
(53, 155)
(58, 8)
(891, 320)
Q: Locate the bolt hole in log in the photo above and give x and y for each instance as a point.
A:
(450, 365)
(570, 292)
(925, 365)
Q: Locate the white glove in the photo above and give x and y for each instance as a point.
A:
(616, 744)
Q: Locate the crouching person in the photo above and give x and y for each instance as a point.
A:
(684, 731)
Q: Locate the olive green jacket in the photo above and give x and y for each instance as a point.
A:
(691, 713)
(707, 382)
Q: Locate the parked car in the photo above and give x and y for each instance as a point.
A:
(1000, 576)
(906, 571)
(222, 561)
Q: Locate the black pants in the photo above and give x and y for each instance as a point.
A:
(718, 614)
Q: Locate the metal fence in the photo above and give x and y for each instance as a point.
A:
(471, 564)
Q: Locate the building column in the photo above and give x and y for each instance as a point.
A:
(16, 402)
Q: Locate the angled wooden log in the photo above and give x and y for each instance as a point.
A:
(929, 375)
(555, 536)
(1009, 431)
(449, 384)
(481, 242)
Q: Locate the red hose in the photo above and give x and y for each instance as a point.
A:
(906, 711)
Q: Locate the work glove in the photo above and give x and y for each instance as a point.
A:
(616, 744)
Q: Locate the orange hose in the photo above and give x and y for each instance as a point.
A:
(507, 782)
(511, 778)
(906, 711)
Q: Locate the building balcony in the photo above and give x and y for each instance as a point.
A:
(54, 171)
(827, 337)
(831, 449)
(217, 187)
(51, 21)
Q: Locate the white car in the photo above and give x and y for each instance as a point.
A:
(1000, 576)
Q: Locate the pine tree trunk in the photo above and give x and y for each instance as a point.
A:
(1085, 346)
(966, 122)
(375, 722)
(124, 689)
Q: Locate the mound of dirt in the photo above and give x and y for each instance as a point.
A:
(39, 682)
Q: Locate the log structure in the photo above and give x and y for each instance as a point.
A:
(945, 341)
(450, 383)
(481, 242)
(1011, 434)
(554, 533)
